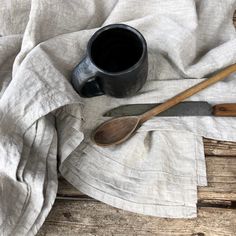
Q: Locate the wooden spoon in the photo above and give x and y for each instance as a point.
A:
(117, 130)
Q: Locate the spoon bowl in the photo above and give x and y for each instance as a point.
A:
(116, 130)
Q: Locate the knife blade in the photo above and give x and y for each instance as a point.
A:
(181, 109)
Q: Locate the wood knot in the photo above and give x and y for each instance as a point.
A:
(67, 215)
(222, 109)
(198, 234)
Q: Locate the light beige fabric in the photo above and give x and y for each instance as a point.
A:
(42, 117)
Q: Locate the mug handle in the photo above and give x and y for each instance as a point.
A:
(84, 79)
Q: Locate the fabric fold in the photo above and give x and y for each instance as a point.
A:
(44, 122)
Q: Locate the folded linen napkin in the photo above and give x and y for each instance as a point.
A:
(158, 170)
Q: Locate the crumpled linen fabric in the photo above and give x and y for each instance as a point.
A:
(44, 123)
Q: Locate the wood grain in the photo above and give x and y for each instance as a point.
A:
(94, 218)
(225, 109)
(219, 148)
(221, 176)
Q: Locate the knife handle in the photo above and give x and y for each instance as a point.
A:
(227, 109)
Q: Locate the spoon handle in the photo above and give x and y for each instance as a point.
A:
(188, 93)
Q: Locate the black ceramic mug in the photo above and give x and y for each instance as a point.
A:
(115, 64)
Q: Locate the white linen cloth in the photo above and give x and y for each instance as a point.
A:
(158, 170)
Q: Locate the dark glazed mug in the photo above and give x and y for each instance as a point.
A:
(116, 63)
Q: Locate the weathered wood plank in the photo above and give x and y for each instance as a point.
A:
(65, 189)
(221, 175)
(219, 148)
(94, 218)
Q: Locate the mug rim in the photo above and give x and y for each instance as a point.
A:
(122, 26)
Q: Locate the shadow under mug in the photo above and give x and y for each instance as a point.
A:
(116, 63)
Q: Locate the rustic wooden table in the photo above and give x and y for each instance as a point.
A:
(76, 214)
